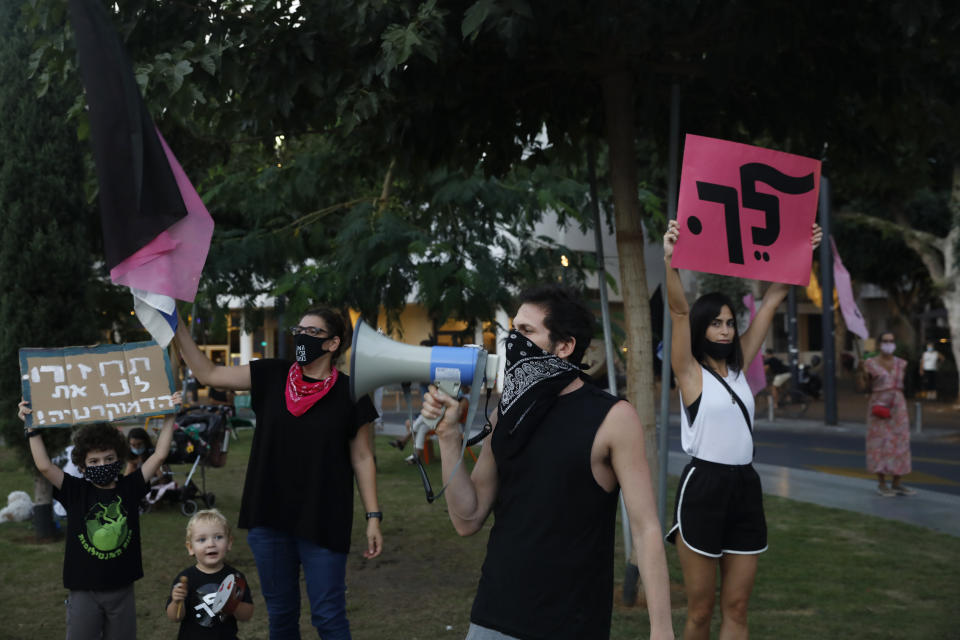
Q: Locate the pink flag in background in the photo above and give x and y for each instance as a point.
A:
(848, 307)
(171, 263)
(755, 376)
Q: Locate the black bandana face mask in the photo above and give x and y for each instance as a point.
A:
(532, 381)
(308, 348)
(103, 474)
(718, 350)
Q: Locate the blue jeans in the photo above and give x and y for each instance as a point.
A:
(279, 556)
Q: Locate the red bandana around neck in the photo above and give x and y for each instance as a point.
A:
(301, 395)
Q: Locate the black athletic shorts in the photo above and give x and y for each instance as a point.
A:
(719, 509)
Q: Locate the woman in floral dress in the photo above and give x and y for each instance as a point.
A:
(888, 437)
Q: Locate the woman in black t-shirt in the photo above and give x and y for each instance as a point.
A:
(311, 441)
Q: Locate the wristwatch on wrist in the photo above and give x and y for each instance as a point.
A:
(375, 514)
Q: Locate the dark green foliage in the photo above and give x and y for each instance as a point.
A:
(45, 259)
(466, 88)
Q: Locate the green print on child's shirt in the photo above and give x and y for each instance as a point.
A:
(107, 532)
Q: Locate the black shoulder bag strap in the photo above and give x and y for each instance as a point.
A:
(736, 398)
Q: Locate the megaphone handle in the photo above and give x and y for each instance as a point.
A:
(450, 388)
(420, 428)
(430, 423)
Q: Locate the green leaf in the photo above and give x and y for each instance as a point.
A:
(207, 64)
(474, 17)
(180, 70)
(34, 62)
(43, 84)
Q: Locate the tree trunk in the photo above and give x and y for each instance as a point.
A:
(951, 275)
(618, 103)
(43, 526)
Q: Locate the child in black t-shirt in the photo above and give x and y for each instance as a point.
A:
(194, 600)
(101, 557)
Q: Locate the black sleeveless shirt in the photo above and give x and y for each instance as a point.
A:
(549, 566)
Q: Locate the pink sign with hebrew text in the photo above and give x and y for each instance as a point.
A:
(746, 211)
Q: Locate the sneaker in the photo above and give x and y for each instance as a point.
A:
(885, 491)
(398, 444)
(901, 490)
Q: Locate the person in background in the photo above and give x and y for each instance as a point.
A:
(888, 424)
(141, 448)
(777, 373)
(930, 361)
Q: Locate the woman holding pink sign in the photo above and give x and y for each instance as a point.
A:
(719, 506)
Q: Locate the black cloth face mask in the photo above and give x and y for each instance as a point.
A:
(718, 350)
(103, 474)
(532, 381)
(309, 348)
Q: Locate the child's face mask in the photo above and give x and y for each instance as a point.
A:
(136, 450)
(103, 474)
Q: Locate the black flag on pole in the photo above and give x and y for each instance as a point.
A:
(139, 197)
(156, 229)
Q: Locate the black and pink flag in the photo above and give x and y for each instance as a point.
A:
(156, 230)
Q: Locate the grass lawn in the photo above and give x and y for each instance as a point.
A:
(828, 573)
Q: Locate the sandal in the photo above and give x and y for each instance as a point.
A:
(885, 491)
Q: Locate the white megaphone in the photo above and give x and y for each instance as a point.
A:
(376, 361)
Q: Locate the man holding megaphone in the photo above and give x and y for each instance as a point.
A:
(560, 450)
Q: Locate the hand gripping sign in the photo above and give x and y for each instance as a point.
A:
(746, 211)
(74, 385)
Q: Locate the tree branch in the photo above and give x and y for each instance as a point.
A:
(931, 248)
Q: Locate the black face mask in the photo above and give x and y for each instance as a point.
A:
(309, 348)
(103, 474)
(532, 381)
(718, 350)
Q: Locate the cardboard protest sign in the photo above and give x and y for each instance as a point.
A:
(74, 385)
(746, 211)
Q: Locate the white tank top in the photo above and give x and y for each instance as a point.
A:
(719, 432)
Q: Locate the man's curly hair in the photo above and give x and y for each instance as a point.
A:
(98, 436)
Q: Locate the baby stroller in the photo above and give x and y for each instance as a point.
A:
(199, 439)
